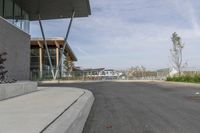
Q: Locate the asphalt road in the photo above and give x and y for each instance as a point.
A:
(138, 107)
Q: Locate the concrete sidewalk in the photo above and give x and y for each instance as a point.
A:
(45, 111)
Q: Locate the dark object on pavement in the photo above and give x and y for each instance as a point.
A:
(108, 126)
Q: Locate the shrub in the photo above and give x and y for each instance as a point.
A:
(185, 78)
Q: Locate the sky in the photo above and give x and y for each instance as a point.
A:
(124, 33)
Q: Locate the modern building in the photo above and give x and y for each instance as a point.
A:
(109, 74)
(100, 73)
(15, 17)
(93, 72)
(40, 67)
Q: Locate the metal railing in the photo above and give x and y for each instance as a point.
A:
(81, 75)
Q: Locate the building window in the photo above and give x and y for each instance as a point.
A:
(52, 52)
(35, 63)
(25, 22)
(1, 7)
(46, 65)
(17, 15)
(8, 10)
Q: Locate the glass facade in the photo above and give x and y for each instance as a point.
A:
(8, 10)
(35, 62)
(15, 14)
(52, 52)
(25, 23)
(1, 7)
(35, 58)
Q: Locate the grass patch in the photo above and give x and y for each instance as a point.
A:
(185, 78)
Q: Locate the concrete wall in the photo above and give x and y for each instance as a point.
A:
(16, 89)
(17, 45)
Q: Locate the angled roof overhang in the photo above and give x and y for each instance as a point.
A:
(53, 42)
(55, 9)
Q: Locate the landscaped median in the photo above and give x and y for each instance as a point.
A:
(49, 110)
(185, 78)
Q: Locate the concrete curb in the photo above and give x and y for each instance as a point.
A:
(131, 81)
(159, 81)
(73, 119)
(179, 83)
(71, 81)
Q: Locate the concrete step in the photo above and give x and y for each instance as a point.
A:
(49, 110)
(16, 89)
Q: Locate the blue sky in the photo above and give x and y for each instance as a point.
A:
(125, 33)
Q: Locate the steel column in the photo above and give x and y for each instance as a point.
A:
(41, 68)
(46, 47)
(65, 43)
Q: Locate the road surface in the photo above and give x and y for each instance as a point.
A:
(142, 107)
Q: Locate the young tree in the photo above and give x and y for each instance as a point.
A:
(68, 64)
(177, 52)
(2, 68)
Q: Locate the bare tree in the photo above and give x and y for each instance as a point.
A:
(177, 52)
(136, 72)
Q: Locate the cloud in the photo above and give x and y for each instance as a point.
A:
(187, 10)
(120, 34)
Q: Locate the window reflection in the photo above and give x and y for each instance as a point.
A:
(8, 10)
(14, 14)
(52, 52)
(35, 59)
(25, 22)
(17, 15)
(1, 7)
